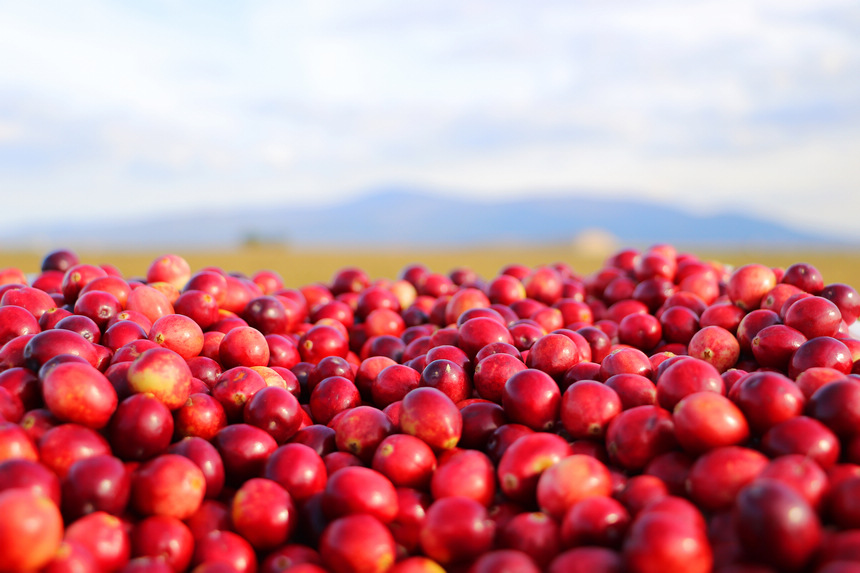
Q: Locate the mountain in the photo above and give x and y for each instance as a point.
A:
(395, 217)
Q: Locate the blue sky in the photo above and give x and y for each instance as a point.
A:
(111, 110)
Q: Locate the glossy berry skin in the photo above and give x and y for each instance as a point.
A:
(99, 483)
(598, 520)
(716, 477)
(263, 513)
(431, 416)
(766, 399)
(79, 393)
(532, 398)
(524, 461)
(659, 542)
(357, 489)
(31, 530)
(639, 434)
(570, 481)
(776, 525)
(837, 406)
(456, 530)
(705, 420)
(170, 485)
(357, 543)
(587, 407)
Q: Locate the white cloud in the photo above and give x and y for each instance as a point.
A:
(713, 105)
(10, 132)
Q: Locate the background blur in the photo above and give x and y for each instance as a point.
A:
(405, 128)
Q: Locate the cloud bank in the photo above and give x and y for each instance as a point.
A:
(113, 109)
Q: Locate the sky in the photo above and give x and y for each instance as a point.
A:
(117, 110)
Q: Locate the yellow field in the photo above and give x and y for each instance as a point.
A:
(299, 267)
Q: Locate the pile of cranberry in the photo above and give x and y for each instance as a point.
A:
(662, 414)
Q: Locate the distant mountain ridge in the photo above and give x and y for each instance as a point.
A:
(399, 217)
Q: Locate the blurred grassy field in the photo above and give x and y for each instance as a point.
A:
(299, 267)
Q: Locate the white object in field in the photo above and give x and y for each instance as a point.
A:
(854, 330)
